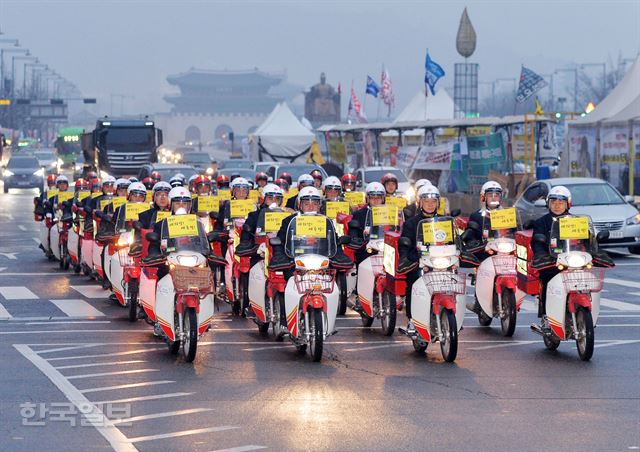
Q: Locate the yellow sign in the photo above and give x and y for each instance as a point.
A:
(133, 210)
(503, 219)
(397, 201)
(149, 197)
(311, 226)
(240, 208)
(273, 220)
(95, 195)
(354, 197)
(574, 228)
(104, 203)
(254, 195)
(224, 195)
(385, 215)
(182, 225)
(162, 214)
(333, 208)
(82, 195)
(5, 102)
(118, 201)
(441, 207)
(208, 204)
(65, 196)
(290, 194)
(437, 232)
(51, 193)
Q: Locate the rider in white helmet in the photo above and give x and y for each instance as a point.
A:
(479, 224)
(413, 208)
(375, 195)
(161, 203)
(332, 189)
(305, 180)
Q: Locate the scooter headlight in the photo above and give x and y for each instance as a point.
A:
(506, 247)
(187, 261)
(440, 263)
(575, 260)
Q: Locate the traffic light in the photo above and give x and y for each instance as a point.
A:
(558, 115)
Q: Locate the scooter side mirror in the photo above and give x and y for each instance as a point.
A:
(354, 224)
(344, 240)
(404, 241)
(275, 241)
(528, 224)
(602, 236)
(455, 212)
(541, 238)
(153, 236)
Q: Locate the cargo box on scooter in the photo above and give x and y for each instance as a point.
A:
(396, 284)
(528, 280)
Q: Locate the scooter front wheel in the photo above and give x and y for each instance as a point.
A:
(388, 312)
(278, 307)
(508, 319)
(341, 281)
(132, 289)
(190, 329)
(316, 339)
(449, 339)
(584, 331)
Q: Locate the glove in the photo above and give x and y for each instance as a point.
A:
(341, 261)
(406, 265)
(356, 243)
(216, 259)
(602, 259)
(543, 261)
(280, 262)
(246, 249)
(468, 260)
(473, 246)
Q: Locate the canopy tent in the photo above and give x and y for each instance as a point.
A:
(630, 113)
(421, 108)
(625, 93)
(282, 136)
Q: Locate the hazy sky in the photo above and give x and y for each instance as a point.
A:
(130, 46)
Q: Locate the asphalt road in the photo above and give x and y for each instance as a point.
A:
(61, 341)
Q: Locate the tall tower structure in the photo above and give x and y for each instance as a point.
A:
(465, 88)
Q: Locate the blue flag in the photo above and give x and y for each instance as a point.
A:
(530, 83)
(372, 87)
(433, 72)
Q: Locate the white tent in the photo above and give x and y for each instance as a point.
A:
(629, 113)
(439, 106)
(618, 99)
(282, 135)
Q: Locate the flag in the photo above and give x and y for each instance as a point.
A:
(539, 109)
(433, 72)
(530, 83)
(372, 87)
(386, 90)
(354, 105)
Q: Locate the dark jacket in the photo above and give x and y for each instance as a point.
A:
(291, 203)
(410, 231)
(251, 222)
(148, 218)
(542, 226)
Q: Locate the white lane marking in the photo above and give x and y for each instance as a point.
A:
(507, 344)
(4, 314)
(374, 347)
(21, 227)
(130, 352)
(183, 433)
(36, 240)
(64, 349)
(107, 374)
(116, 363)
(10, 256)
(268, 347)
(241, 449)
(77, 308)
(91, 291)
(17, 293)
(599, 326)
(150, 397)
(93, 414)
(67, 323)
(622, 282)
(161, 415)
(637, 294)
(620, 305)
(613, 343)
(2, 269)
(32, 274)
(127, 386)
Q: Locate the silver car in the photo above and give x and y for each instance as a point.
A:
(608, 209)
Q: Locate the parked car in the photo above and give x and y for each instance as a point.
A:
(23, 172)
(166, 170)
(295, 169)
(608, 209)
(48, 160)
(247, 173)
(263, 167)
(236, 163)
(375, 173)
(199, 160)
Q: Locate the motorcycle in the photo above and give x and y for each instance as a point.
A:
(496, 282)
(311, 295)
(184, 294)
(266, 287)
(438, 296)
(375, 301)
(573, 295)
(237, 272)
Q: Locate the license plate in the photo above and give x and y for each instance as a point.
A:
(615, 234)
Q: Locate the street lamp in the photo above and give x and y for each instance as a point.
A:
(15, 42)
(604, 75)
(24, 75)
(575, 85)
(2, 51)
(13, 70)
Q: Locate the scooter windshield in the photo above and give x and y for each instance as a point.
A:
(571, 233)
(501, 223)
(311, 234)
(184, 233)
(269, 220)
(381, 219)
(436, 231)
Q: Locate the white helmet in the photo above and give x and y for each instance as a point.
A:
(490, 187)
(179, 194)
(560, 192)
(121, 183)
(375, 188)
(239, 182)
(421, 182)
(428, 191)
(161, 186)
(306, 179)
(332, 182)
(192, 178)
(308, 194)
(108, 180)
(62, 178)
(176, 181)
(272, 190)
(137, 188)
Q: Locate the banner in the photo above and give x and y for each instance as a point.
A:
(486, 152)
(614, 153)
(337, 151)
(436, 157)
(582, 151)
(547, 148)
(406, 155)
